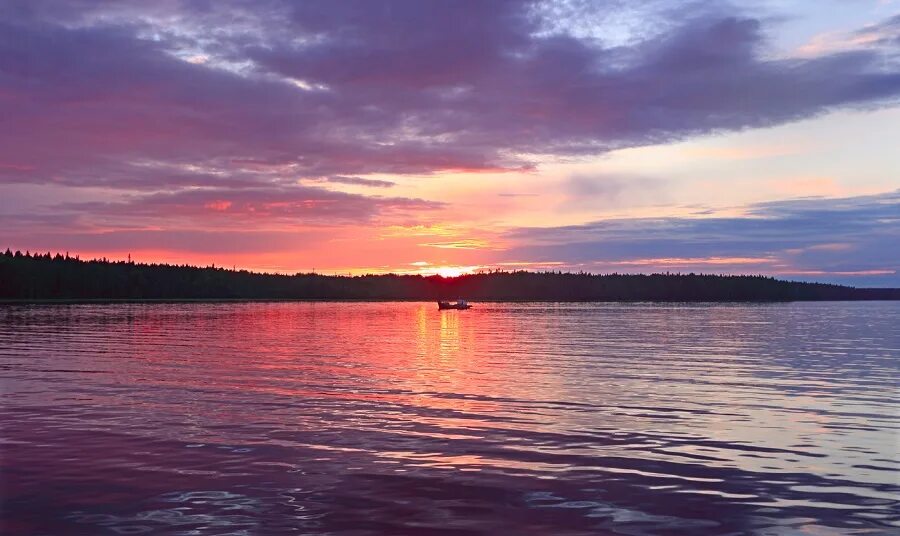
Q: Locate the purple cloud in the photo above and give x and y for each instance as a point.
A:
(204, 243)
(138, 96)
(591, 191)
(193, 117)
(359, 181)
(296, 204)
(823, 239)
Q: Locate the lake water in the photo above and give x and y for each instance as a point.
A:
(395, 418)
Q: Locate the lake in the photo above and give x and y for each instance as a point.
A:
(397, 418)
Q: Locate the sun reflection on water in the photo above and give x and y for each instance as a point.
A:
(628, 416)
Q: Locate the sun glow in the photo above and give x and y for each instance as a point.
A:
(451, 271)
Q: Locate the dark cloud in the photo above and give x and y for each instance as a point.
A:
(825, 238)
(268, 92)
(215, 117)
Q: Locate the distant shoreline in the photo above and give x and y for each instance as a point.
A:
(163, 301)
(64, 280)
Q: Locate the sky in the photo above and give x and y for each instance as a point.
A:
(409, 136)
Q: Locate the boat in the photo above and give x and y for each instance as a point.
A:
(458, 304)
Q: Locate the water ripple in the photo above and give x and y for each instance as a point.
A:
(394, 418)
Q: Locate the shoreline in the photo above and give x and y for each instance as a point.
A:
(47, 279)
(152, 301)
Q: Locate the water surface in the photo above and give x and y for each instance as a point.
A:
(395, 418)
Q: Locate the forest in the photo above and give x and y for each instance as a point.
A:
(34, 277)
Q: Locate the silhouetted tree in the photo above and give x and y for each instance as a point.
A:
(40, 276)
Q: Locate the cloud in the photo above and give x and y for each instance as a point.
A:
(259, 206)
(285, 220)
(112, 94)
(884, 34)
(468, 243)
(359, 181)
(202, 243)
(221, 117)
(591, 191)
(829, 238)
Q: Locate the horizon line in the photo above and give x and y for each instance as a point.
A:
(8, 252)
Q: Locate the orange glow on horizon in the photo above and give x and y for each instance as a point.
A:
(452, 271)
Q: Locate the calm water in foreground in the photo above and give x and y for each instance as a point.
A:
(395, 418)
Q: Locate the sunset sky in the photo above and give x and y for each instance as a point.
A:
(443, 136)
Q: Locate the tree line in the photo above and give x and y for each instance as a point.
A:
(27, 276)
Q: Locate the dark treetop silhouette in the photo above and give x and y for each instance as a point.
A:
(46, 276)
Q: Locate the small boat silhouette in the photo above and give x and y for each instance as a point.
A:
(458, 304)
